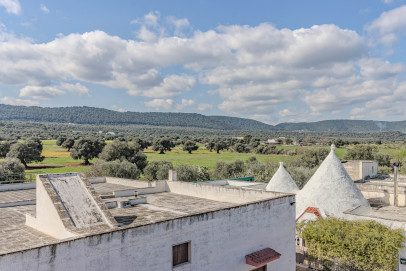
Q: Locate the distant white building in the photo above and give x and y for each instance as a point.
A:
(361, 169)
(113, 224)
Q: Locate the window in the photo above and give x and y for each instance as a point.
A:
(262, 268)
(181, 253)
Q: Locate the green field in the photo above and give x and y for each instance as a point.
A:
(58, 160)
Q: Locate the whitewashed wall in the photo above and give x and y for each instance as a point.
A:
(219, 241)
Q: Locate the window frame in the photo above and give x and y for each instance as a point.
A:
(189, 254)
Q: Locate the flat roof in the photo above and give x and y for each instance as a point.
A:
(162, 206)
(389, 213)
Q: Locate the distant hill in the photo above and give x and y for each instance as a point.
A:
(356, 126)
(100, 116)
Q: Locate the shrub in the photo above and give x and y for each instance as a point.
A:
(301, 175)
(262, 172)
(224, 170)
(310, 158)
(360, 152)
(383, 159)
(186, 173)
(11, 169)
(121, 150)
(157, 170)
(361, 245)
(117, 168)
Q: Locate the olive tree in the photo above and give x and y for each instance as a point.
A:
(122, 150)
(68, 143)
(87, 148)
(157, 170)
(190, 146)
(28, 151)
(162, 145)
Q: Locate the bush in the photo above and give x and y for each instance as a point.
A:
(202, 173)
(157, 170)
(301, 175)
(360, 152)
(226, 170)
(187, 173)
(383, 159)
(117, 168)
(262, 172)
(385, 170)
(361, 245)
(121, 150)
(11, 169)
(310, 158)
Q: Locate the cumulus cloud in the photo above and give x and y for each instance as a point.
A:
(44, 9)
(13, 101)
(119, 109)
(184, 103)
(387, 28)
(204, 107)
(40, 92)
(253, 70)
(76, 88)
(11, 6)
(160, 104)
(170, 86)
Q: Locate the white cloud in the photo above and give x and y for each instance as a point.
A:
(160, 104)
(389, 26)
(252, 70)
(171, 86)
(119, 109)
(11, 6)
(204, 107)
(13, 101)
(184, 103)
(76, 88)
(39, 92)
(179, 25)
(287, 113)
(44, 9)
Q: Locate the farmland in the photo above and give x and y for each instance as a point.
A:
(58, 160)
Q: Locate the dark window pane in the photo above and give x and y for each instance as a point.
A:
(180, 253)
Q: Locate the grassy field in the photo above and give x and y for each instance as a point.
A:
(58, 160)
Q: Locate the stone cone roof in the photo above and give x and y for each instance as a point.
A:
(330, 189)
(281, 181)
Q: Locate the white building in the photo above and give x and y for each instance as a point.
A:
(361, 169)
(331, 190)
(114, 224)
(281, 181)
(332, 193)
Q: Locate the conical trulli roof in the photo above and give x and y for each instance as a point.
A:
(330, 189)
(281, 181)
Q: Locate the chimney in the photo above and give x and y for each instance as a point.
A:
(172, 176)
(395, 180)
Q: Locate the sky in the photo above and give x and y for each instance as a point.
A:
(272, 61)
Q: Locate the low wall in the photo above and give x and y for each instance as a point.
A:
(383, 193)
(19, 186)
(221, 193)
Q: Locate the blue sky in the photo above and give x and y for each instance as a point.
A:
(273, 61)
